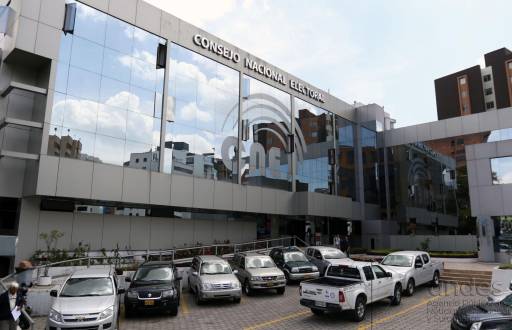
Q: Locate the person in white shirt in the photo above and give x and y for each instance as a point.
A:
(9, 301)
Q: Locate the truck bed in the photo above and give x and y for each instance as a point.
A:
(330, 281)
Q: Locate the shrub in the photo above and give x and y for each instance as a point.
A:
(506, 266)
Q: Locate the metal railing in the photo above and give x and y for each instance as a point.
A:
(174, 255)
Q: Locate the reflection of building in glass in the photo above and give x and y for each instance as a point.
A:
(149, 160)
(66, 146)
(422, 187)
(455, 147)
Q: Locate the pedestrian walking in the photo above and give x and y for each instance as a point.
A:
(9, 301)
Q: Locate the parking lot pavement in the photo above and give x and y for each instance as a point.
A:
(427, 309)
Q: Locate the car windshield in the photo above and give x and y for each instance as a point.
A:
(334, 254)
(214, 268)
(89, 286)
(260, 262)
(397, 260)
(294, 256)
(507, 301)
(151, 274)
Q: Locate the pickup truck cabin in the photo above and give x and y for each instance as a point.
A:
(350, 287)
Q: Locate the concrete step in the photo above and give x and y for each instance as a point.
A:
(466, 272)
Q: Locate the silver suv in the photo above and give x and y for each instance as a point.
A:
(257, 271)
(88, 299)
(212, 278)
(322, 256)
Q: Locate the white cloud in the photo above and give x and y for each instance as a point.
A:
(191, 112)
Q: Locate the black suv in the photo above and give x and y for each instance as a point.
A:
(484, 316)
(293, 262)
(154, 286)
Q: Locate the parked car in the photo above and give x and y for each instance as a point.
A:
(293, 262)
(416, 266)
(484, 316)
(322, 256)
(350, 287)
(258, 272)
(212, 278)
(88, 299)
(154, 286)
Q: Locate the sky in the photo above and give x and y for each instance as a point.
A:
(370, 51)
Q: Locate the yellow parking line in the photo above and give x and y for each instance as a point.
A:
(387, 318)
(184, 304)
(284, 318)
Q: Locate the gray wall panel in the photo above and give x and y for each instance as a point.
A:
(239, 197)
(47, 176)
(253, 199)
(491, 200)
(182, 190)
(74, 178)
(161, 233)
(116, 232)
(160, 190)
(136, 185)
(88, 229)
(28, 233)
(223, 196)
(203, 193)
(269, 200)
(488, 121)
(48, 221)
(139, 232)
(107, 182)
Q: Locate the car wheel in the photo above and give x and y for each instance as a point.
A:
(317, 311)
(247, 288)
(360, 309)
(435, 279)
(237, 300)
(397, 296)
(173, 311)
(409, 290)
(281, 290)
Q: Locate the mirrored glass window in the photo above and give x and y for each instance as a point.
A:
(370, 165)
(315, 137)
(266, 117)
(501, 170)
(345, 158)
(108, 101)
(202, 112)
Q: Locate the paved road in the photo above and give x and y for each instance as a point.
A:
(425, 310)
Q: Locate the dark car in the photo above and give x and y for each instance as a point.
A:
(484, 316)
(154, 286)
(293, 262)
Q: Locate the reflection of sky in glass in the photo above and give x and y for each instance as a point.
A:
(203, 106)
(501, 169)
(107, 91)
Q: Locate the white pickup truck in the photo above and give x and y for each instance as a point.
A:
(416, 266)
(350, 287)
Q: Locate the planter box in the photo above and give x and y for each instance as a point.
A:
(501, 279)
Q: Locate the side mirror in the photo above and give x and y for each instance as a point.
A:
(121, 291)
(53, 293)
(235, 272)
(418, 265)
(127, 279)
(389, 274)
(195, 273)
(510, 287)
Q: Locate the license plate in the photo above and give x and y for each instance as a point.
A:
(270, 284)
(308, 276)
(320, 303)
(149, 302)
